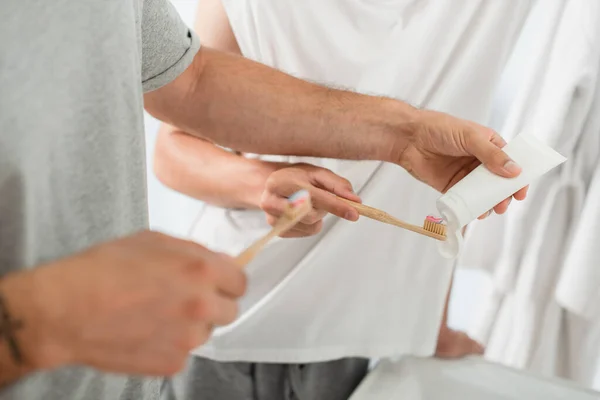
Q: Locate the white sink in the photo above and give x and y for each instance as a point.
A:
(467, 379)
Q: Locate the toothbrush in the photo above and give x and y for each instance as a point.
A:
(299, 205)
(432, 227)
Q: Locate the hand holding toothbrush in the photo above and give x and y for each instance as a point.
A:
(321, 183)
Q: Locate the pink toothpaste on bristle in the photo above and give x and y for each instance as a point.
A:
(299, 198)
(435, 220)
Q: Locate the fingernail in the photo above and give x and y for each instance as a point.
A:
(511, 167)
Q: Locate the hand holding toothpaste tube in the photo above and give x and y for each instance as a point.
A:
(442, 150)
(474, 168)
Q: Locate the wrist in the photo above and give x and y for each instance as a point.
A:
(250, 197)
(26, 305)
(398, 130)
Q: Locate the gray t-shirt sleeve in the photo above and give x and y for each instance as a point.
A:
(168, 45)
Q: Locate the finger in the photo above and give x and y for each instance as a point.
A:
(326, 201)
(274, 206)
(191, 336)
(521, 194)
(485, 149)
(299, 230)
(456, 345)
(322, 199)
(291, 234)
(303, 230)
(224, 274)
(272, 220)
(226, 310)
(313, 217)
(487, 214)
(209, 269)
(206, 269)
(503, 206)
(232, 281)
(477, 348)
(211, 307)
(326, 179)
(498, 140)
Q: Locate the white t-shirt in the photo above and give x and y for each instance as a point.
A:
(358, 289)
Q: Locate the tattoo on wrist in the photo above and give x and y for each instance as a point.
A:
(8, 329)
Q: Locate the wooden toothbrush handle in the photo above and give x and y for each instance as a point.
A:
(248, 255)
(382, 216)
(283, 224)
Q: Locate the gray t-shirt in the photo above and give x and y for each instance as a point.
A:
(72, 174)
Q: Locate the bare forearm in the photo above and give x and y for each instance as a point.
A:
(253, 108)
(206, 172)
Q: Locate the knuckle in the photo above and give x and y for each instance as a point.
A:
(346, 183)
(301, 168)
(300, 182)
(264, 201)
(322, 170)
(271, 181)
(200, 308)
(489, 132)
(274, 180)
(268, 205)
(202, 270)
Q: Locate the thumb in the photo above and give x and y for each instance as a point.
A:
(489, 151)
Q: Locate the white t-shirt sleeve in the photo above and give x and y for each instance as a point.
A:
(168, 45)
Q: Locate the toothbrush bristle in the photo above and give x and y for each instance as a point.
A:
(434, 225)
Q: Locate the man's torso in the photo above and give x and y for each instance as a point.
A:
(72, 157)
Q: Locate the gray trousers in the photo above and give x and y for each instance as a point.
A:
(205, 379)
